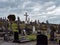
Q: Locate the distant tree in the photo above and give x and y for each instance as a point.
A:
(11, 17)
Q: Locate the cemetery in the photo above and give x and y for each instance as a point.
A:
(17, 31)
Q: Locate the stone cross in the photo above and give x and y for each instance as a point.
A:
(26, 16)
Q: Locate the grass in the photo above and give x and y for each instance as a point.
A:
(31, 37)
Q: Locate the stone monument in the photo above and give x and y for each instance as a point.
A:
(26, 20)
(6, 34)
(52, 36)
(18, 25)
(42, 39)
(23, 37)
(48, 27)
(33, 30)
(58, 29)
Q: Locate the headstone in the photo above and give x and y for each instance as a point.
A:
(52, 36)
(27, 30)
(18, 22)
(23, 37)
(33, 30)
(10, 23)
(24, 31)
(59, 29)
(16, 37)
(28, 21)
(6, 35)
(48, 30)
(42, 39)
(59, 42)
(48, 27)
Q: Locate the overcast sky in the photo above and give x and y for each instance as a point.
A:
(37, 9)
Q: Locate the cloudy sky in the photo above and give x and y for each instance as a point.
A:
(37, 9)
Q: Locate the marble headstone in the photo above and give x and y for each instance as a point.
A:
(33, 31)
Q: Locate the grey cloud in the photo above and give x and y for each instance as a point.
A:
(21, 6)
(53, 18)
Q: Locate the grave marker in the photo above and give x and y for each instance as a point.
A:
(16, 37)
(33, 30)
(52, 36)
(26, 18)
(48, 27)
(42, 39)
(6, 35)
(18, 26)
(23, 37)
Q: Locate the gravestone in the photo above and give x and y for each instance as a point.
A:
(58, 29)
(24, 32)
(10, 27)
(18, 22)
(59, 42)
(33, 30)
(6, 37)
(52, 36)
(48, 27)
(27, 30)
(23, 37)
(6, 34)
(42, 39)
(16, 37)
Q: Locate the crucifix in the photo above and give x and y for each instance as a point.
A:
(26, 16)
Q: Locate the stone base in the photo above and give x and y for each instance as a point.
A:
(23, 39)
(16, 41)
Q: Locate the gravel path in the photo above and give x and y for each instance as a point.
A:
(28, 43)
